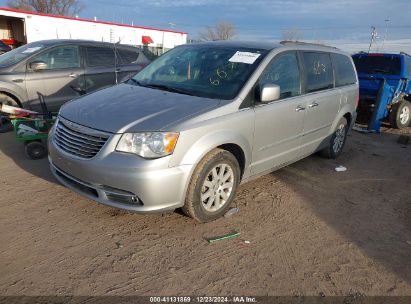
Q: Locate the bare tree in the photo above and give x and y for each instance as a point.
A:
(292, 34)
(56, 7)
(221, 31)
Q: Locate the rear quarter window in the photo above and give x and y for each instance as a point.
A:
(343, 70)
(318, 71)
(100, 56)
(127, 56)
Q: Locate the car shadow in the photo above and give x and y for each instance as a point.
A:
(369, 204)
(14, 150)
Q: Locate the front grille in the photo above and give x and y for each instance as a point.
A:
(78, 140)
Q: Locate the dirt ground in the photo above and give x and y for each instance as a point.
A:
(312, 231)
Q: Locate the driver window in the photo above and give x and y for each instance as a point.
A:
(182, 68)
(283, 71)
(62, 57)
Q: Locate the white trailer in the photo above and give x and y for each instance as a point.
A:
(20, 27)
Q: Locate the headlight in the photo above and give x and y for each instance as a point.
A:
(148, 145)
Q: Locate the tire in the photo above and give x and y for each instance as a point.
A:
(35, 150)
(202, 201)
(337, 140)
(400, 116)
(5, 124)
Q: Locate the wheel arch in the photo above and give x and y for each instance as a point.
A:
(238, 153)
(349, 118)
(345, 112)
(227, 140)
(12, 96)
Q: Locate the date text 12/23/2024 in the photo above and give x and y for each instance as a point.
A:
(205, 299)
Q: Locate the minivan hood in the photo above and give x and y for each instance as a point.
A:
(130, 108)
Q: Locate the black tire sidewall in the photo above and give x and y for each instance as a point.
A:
(5, 125)
(222, 157)
(34, 146)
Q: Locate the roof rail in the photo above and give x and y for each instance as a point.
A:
(404, 53)
(284, 42)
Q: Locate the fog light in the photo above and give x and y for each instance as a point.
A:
(124, 199)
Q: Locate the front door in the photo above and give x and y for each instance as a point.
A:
(61, 81)
(279, 124)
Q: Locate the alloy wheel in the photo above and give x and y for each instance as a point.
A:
(217, 187)
(339, 138)
(405, 115)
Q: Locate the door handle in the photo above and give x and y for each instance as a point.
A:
(313, 105)
(300, 108)
(73, 75)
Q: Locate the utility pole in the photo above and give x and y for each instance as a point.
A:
(386, 32)
(373, 36)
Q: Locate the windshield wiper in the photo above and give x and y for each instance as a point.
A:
(135, 82)
(167, 88)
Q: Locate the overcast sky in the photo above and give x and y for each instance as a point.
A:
(341, 22)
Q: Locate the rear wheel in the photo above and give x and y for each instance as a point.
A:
(212, 187)
(5, 124)
(400, 116)
(337, 141)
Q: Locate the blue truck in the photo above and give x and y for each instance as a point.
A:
(385, 89)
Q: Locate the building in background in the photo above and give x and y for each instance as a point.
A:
(21, 27)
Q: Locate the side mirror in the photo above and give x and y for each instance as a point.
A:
(38, 66)
(269, 92)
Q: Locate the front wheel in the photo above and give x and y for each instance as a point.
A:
(212, 187)
(400, 116)
(337, 140)
(5, 124)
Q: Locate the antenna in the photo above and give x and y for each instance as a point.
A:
(373, 36)
(386, 32)
(115, 59)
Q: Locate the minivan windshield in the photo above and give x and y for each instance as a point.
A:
(17, 55)
(217, 72)
(378, 64)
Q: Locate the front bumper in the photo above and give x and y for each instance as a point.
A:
(122, 180)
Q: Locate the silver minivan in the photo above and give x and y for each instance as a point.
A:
(200, 120)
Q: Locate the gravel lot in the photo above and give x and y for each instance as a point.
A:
(312, 231)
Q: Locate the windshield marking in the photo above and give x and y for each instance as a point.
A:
(203, 71)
